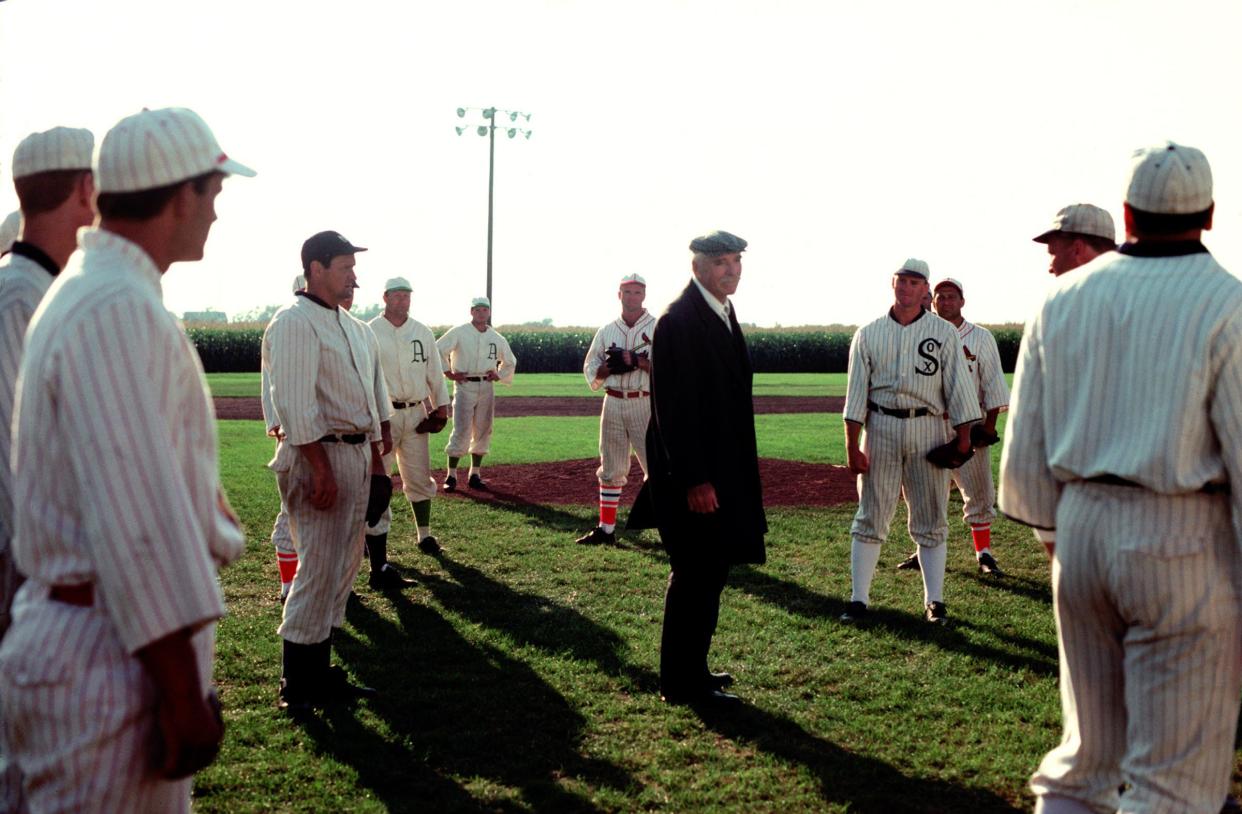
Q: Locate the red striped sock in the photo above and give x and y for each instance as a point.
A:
(982, 537)
(609, 497)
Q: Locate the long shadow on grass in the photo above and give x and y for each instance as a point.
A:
(456, 708)
(866, 784)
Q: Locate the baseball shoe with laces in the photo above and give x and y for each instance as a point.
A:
(987, 565)
(389, 578)
(476, 482)
(429, 545)
(910, 563)
(855, 611)
(597, 536)
(450, 484)
(937, 614)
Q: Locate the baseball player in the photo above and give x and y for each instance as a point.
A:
(282, 540)
(619, 360)
(906, 371)
(10, 227)
(1079, 233)
(105, 673)
(416, 385)
(1136, 462)
(974, 478)
(474, 356)
(52, 175)
(328, 391)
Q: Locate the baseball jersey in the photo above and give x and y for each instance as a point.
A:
(322, 375)
(25, 277)
(465, 349)
(9, 229)
(920, 365)
(113, 400)
(617, 334)
(410, 361)
(984, 365)
(1096, 395)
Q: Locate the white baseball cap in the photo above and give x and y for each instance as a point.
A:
(915, 266)
(397, 284)
(156, 148)
(1170, 179)
(1081, 219)
(950, 281)
(9, 229)
(61, 148)
(477, 301)
(299, 283)
(633, 278)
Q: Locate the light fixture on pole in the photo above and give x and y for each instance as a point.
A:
(489, 130)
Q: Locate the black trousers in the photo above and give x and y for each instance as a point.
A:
(691, 608)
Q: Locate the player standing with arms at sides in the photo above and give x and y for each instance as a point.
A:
(703, 491)
(112, 398)
(619, 360)
(474, 357)
(974, 478)
(417, 388)
(328, 390)
(282, 539)
(1137, 464)
(907, 373)
(52, 175)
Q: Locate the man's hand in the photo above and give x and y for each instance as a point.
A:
(323, 488)
(643, 360)
(491, 376)
(602, 372)
(188, 724)
(226, 509)
(857, 461)
(454, 376)
(702, 499)
(386, 437)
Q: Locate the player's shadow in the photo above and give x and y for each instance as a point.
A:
(860, 783)
(455, 708)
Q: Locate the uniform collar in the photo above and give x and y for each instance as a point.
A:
(1162, 248)
(121, 253)
(313, 299)
(32, 252)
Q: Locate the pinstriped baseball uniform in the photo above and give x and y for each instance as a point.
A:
(413, 371)
(974, 478)
(113, 400)
(282, 540)
(914, 366)
(10, 227)
(1132, 372)
(324, 380)
(465, 349)
(623, 421)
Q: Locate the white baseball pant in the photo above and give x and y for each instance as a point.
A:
(622, 427)
(411, 450)
(1150, 637)
(282, 538)
(78, 711)
(329, 543)
(474, 406)
(896, 449)
(974, 480)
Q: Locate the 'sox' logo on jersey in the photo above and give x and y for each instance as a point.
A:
(420, 355)
(930, 365)
(491, 350)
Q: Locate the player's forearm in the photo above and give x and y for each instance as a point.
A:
(316, 456)
(853, 430)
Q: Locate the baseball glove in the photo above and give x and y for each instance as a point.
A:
(381, 494)
(981, 436)
(947, 456)
(615, 360)
(434, 422)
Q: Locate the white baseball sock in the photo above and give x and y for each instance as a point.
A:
(931, 563)
(863, 559)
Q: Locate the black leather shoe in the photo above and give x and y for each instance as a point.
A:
(389, 578)
(597, 536)
(719, 681)
(704, 697)
(987, 565)
(338, 687)
(854, 612)
(910, 563)
(296, 705)
(429, 545)
(450, 484)
(476, 482)
(937, 614)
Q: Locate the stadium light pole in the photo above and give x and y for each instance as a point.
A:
(489, 130)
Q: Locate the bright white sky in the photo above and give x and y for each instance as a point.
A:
(838, 138)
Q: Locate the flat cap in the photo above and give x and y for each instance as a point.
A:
(717, 242)
(397, 284)
(915, 266)
(1081, 219)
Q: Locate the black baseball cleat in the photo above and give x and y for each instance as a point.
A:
(706, 697)
(429, 545)
(719, 681)
(597, 536)
(910, 563)
(476, 482)
(389, 578)
(450, 484)
(854, 612)
(937, 614)
(337, 687)
(987, 565)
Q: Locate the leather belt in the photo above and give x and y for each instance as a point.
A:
(401, 405)
(626, 394)
(1116, 480)
(912, 412)
(475, 379)
(352, 438)
(82, 595)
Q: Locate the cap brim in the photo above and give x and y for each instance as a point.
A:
(1044, 238)
(232, 167)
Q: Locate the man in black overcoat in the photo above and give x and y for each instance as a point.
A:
(703, 490)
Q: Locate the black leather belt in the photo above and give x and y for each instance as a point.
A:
(913, 412)
(1115, 480)
(353, 438)
(81, 595)
(475, 379)
(401, 405)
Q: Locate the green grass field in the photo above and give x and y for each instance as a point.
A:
(521, 674)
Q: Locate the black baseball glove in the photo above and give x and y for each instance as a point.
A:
(381, 494)
(434, 422)
(981, 436)
(947, 456)
(615, 360)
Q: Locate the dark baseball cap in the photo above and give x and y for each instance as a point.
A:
(717, 242)
(324, 246)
